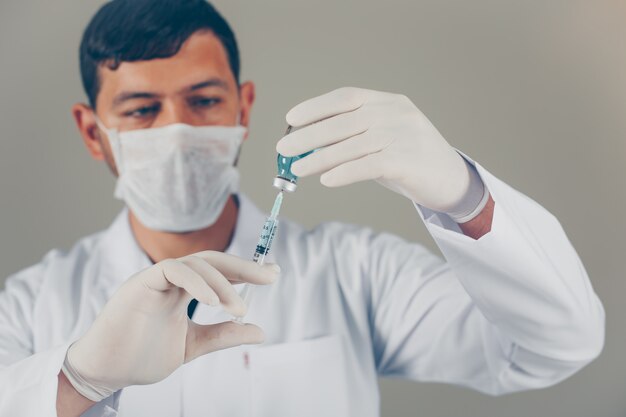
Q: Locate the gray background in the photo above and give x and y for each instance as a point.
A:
(534, 90)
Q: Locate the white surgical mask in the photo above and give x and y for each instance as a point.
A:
(176, 178)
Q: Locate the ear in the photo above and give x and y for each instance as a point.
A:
(85, 119)
(247, 95)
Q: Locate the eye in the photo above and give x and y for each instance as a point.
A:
(205, 102)
(141, 112)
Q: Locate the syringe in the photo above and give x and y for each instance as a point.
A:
(268, 232)
(285, 181)
(263, 246)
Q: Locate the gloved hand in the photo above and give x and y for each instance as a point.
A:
(143, 333)
(364, 134)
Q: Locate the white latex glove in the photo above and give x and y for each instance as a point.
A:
(143, 333)
(372, 135)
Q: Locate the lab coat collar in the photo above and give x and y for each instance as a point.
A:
(121, 256)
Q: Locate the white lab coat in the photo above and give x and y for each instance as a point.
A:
(513, 310)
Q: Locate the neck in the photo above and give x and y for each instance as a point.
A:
(165, 245)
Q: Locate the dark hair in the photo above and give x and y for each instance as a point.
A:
(140, 30)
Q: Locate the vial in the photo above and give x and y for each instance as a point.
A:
(285, 179)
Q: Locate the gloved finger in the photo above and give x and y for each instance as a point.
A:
(366, 168)
(203, 339)
(324, 133)
(230, 300)
(175, 273)
(341, 100)
(332, 156)
(236, 269)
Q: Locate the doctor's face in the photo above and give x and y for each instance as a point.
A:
(196, 87)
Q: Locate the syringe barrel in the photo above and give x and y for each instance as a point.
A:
(265, 240)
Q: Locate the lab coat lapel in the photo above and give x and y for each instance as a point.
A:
(120, 257)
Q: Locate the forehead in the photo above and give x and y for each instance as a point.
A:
(200, 57)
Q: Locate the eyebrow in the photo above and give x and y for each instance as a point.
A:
(211, 82)
(132, 95)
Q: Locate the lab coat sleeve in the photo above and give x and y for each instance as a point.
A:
(510, 311)
(28, 380)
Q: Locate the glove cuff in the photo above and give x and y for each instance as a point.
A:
(85, 388)
(474, 201)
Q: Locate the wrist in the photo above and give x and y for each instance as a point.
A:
(70, 403)
(481, 224)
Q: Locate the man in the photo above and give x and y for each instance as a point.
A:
(512, 307)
